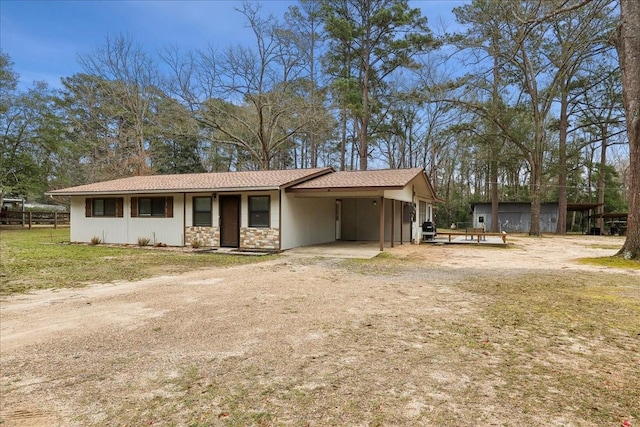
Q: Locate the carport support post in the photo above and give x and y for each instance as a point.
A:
(401, 222)
(381, 223)
(393, 222)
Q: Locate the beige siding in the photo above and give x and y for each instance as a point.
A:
(275, 207)
(361, 219)
(307, 221)
(399, 224)
(126, 229)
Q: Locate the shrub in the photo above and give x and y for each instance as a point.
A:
(196, 243)
(143, 241)
(95, 240)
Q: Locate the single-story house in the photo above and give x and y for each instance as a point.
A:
(266, 210)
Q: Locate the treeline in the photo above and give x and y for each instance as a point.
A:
(524, 104)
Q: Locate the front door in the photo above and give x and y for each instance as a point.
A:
(230, 221)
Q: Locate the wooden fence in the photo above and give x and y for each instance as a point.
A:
(29, 219)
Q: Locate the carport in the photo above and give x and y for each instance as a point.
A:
(382, 205)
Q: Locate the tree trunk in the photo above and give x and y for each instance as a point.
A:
(363, 119)
(343, 139)
(561, 225)
(312, 139)
(493, 162)
(363, 146)
(601, 180)
(365, 114)
(627, 42)
(495, 199)
(536, 181)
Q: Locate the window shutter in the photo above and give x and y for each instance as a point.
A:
(169, 207)
(119, 207)
(87, 207)
(134, 207)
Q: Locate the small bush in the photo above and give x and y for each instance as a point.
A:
(143, 241)
(95, 240)
(196, 243)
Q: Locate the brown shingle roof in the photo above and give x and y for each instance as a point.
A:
(217, 181)
(387, 178)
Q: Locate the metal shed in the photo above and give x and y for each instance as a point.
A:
(515, 217)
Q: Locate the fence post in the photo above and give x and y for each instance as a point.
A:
(55, 219)
(30, 219)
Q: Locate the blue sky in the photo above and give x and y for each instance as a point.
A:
(44, 38)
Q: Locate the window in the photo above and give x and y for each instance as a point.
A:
(151, 206)
(202, 211)
(422, 212)
(259, 211)
(160, 207)
(106, 207)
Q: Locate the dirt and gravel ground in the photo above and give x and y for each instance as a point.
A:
(408, 339)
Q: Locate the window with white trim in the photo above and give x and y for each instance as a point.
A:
(202, 211)
(259, 211)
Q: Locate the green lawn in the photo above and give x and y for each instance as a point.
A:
(43, 258)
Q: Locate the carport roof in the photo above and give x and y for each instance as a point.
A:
(216, 181)
(352, 180)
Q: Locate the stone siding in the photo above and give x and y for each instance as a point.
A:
(207, 236)
(260, 238)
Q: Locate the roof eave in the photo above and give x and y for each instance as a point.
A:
(343, 189)
(162, 191)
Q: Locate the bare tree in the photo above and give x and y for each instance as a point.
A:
(518, 36)
(244, 97)
(577, 37)
(305, 28)
(127, 79)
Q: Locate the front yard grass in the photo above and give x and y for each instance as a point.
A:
(612, 261)
(566, 342)
(43, 258)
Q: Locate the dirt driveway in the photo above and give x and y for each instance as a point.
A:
(404, 340)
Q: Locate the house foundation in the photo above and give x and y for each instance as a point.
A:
(202, 236)
(260, 238)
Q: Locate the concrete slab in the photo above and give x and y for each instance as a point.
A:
(339, 249)
(368, 250)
